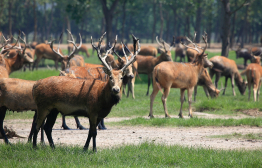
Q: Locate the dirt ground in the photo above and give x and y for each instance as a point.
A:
(119, 135)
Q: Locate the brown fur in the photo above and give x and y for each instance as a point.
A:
(16, 95)
(148, 51)
(228, 68)
(180, 52)
(147, 64)
(253, 73)
(83, 49)
(77, 60)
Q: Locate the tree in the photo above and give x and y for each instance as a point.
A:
(227, 13)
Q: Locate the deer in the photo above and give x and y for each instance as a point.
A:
(48, 52)
(77, 60)
(90, 98)
(209, 88)
(253, 73)
(244, 53)
(103, 49)
(83, 49)
(13, 58)
(180, 52)
(226, 67)
(16, 95)
(147, 64)
(184, 76)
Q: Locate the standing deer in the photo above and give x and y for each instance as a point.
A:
(83, 49)
(78, 97)
(178, 75)
(228, 68)
(245, 54)
(180, 52)
(253, 74)
(147, 64)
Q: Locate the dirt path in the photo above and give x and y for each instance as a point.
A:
(118, 135)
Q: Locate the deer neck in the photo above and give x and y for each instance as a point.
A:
(238, 78)
(107, 95)
(13, 64)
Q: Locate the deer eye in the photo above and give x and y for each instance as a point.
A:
(110, 77)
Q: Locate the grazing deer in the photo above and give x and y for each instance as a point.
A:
(147, 64)
(178, 75)
(78, 97)
(83, 49)
(228, 68)
(16, 95)
(205, 81)
(15, 58)
(48, 52)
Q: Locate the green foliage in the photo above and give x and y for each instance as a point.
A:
(143, 155)
(77, 9)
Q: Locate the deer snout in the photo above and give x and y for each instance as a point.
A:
(116, 89)
(131, 76)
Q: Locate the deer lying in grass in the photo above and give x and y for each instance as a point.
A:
(253, 74)
(16, 95)
(178, 75)
(79, 97)
(147, 64)
(228, 68)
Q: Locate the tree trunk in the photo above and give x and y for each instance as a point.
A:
(10, 6)
(123, 22)
(68, 25)
(154, 22)
(109, 15)
(162, 21)
(50, 22)
(198, 21)
(35, 22)
(175, 20)
(244, 33)
(225, 28)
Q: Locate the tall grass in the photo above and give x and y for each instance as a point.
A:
(142, 155)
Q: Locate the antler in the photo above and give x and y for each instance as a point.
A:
(190, 47)
(73, 42)
(98, 48)
(24, 40)
(205, 40)
(51, 46)
(9, 45)
(133, 56)
(164, 43)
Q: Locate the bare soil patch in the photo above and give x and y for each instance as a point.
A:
(252, 112)
(119, 135)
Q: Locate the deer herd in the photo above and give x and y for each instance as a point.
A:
(91, 90)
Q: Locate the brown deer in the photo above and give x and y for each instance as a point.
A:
(78, 97)
(253, 74)
(77, 60)
(83, 49)
(178, 75)
(13, 58)
(48, 52)
(147, 64)
(16, 95)
(205, 81)
(228, 68)
(180, 52)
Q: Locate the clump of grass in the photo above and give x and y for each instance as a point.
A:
(251, 136)
(143, 155)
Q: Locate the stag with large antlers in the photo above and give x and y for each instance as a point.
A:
(147, 64)
(91, 98)
(13, 57)
(185, 76)
(49, 52)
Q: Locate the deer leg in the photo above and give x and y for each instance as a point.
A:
(206, 91)
(2, 117)
(195, 93)
(255, 93)
(101, 125)
(233, 85)
(190, 92)
(149, 82)
(249, 90)
(50, 121)
(258, 90)
(152, 98)
(36, 62)
(92, 133)
(33, 129)
(217, 78)
(133, 87)
(226, 78)
(182, 96)
(64, 126)
(164, 98)
(78, 125)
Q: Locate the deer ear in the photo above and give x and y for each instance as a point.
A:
(106, 71)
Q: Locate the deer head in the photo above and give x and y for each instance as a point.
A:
(115, 76)
(166, 51)
(65, 59)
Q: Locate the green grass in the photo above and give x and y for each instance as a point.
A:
(193, 122)
(142, 155)
(235, 135)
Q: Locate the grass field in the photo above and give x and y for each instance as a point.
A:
(146, 154)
